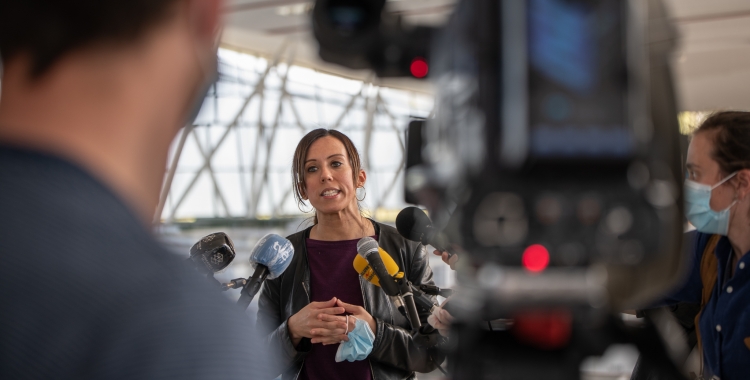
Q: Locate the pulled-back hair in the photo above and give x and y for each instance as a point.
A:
(47, 30)
(300, 154)
(730, 134)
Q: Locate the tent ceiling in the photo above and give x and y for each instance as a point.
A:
(712, 63)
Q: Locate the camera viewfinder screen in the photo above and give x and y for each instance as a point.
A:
(577, 79)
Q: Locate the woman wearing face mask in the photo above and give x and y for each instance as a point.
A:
(717, 203)
(322, 319)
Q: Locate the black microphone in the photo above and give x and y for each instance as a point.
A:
(396, 286)
(413, 224)
(270, 257)
(212, 253)
(436, 291)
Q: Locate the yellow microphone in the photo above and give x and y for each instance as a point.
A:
(375, 264)
(365, 270)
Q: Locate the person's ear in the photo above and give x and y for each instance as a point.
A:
(206, 21)
(743, 183)
(361, 178)
(302, 192)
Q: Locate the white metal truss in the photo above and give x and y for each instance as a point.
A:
(268, 108)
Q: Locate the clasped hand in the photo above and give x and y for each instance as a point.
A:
(322, 322)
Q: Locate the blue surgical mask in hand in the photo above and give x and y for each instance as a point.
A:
(359, 344)
(698, 210)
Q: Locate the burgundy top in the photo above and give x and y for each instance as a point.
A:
(332, 275)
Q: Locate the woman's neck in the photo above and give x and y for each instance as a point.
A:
(344, 225)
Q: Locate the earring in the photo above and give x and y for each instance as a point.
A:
(364, 195)
(302, 203)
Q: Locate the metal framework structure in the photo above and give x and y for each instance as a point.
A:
(235, 161)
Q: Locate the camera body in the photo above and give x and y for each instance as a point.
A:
(568, 139)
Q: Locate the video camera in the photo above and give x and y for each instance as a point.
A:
(552, 159)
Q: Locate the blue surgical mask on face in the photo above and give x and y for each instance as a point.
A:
(359, 344)
(698, 210)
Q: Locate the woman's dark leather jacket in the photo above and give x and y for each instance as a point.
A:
(395, 355)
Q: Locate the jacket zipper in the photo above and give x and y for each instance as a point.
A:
(364, 301)
(299, 371)
(308, 293)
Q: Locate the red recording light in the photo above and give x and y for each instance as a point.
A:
(419, 67)
(535, 258)
(545, 329)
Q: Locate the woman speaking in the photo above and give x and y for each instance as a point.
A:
(322, 319)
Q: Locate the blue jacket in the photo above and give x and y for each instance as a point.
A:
(724, 323)
(86, 292)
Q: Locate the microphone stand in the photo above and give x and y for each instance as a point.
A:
(405, 288)
(252, 286)
(237, 283)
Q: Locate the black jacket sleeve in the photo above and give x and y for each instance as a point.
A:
(274, 326)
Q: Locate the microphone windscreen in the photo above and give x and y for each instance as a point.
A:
(273, 251)
(367, 245)
(213, 252)
(363, 267)
(412, 223)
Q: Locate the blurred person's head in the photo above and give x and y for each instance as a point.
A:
(718, 160)
(326, 171)
(106, 83)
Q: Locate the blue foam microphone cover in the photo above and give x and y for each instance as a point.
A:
(273, 251)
